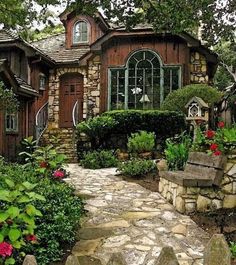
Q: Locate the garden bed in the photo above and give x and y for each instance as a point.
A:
(150, 182)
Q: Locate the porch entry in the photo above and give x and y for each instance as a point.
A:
(71, 100)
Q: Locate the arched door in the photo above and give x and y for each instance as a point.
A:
(71, 91)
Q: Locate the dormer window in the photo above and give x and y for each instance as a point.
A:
(80, 32)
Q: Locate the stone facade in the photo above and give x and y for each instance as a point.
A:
(202, 199)
(91, 104)
(198, 69)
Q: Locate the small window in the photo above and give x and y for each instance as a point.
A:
(11, 122)
(42, 82)
(80, 32)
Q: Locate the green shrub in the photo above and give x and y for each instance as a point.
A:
(141, 142)
(177, 100)
(61, 212)
(177, 152)
(233, 249)
(137, 167)
(99, 159)
(96, 128)
(163, 123)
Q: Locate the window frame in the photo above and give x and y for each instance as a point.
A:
(126, 69)
(42, 76)
(15, 127)
(74, 32)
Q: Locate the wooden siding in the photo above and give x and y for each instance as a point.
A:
(116, 52)
(94, 31)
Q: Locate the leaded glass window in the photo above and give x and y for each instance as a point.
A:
(143, 83)
(11, 122)
(80, 32)
(117, 89)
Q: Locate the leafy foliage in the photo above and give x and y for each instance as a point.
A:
(137, 167)
(177, 100)
(8, 100)
(233, 248)
(177, 151)
(99, 159)
(141, 142)
(17, 216)
(61, 212)
(217, 17)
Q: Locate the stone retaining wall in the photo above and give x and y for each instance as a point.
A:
(191, 199)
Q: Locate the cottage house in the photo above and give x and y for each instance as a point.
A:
(96, 66)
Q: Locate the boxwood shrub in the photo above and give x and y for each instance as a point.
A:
(177, 100)
(122, 123)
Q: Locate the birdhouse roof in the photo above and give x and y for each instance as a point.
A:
(200, 102)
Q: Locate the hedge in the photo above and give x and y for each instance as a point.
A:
(124, 122)
(177, 99)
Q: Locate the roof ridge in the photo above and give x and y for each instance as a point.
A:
(47, 37)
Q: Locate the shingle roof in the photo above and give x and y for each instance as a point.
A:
(54, 47)
(6, 36)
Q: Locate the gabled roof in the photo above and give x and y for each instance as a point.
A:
(198, 100)
(55, 48)
(10, 39)
(19, 86)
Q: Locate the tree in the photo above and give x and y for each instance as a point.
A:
(8, 100)
(217, 17)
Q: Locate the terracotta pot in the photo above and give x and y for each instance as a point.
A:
(123, 156)
(145, 155)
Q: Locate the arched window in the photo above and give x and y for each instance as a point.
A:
(80, 32)
(143, 83)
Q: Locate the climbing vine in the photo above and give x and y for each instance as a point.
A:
(8, 100)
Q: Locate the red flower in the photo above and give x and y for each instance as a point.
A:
(213, 147)
(58, 174)
(5, 249)
(43, 164)
(31, 238)
(210, 134)
(221, 124)
(217, 153)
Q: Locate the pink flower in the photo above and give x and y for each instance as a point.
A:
(213, 147)
(31, 238)
(58, 174)
(5, 249)
(217, 153)
(210, 134)
(221, 124)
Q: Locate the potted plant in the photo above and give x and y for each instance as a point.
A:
(141, 144)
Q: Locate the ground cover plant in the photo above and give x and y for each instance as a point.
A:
(57, 216)
(99, 159)
(176, 151)
(137, 167)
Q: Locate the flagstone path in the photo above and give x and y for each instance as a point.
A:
(125, 217)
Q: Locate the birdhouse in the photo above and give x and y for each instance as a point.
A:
(197, 109)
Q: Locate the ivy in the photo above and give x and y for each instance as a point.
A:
(8, 100)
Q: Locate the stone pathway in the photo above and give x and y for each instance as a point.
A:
(125, 217)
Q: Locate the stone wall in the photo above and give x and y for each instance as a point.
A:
(198, 69)
(191, 199)
(91, 104)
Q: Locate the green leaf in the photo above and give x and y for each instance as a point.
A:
(30, 210)
(16, 244)
(10, 261)
(29, 220)
(13, 211)
(4, 216)
(14, 234)
(28, 185)
(4, 195)
(35, 196)
(1, 238)
(24, 198)
(10, 183)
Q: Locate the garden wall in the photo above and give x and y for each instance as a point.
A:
(202, 199)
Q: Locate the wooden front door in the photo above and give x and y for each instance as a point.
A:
(71, 91)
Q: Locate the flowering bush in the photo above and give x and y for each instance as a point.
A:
(216, 142)
(17, 217)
